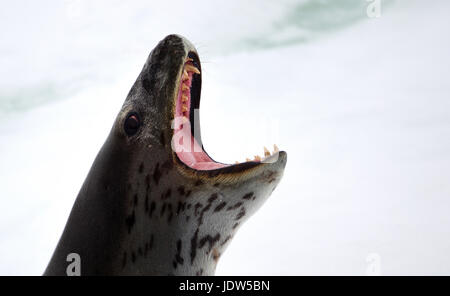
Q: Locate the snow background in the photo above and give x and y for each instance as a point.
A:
(361, 105)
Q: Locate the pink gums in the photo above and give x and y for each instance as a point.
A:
(190, 153)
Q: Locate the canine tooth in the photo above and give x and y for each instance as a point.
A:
(185, 75)
(184, 87)
(266, 152)
(184, 98)
(191, 68)
(275, 148)
(184, 108)
(257, 158)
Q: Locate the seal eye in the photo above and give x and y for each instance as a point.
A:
(132, 124)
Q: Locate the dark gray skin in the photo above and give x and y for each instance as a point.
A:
(141, 211)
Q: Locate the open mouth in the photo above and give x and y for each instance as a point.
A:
(186, 141)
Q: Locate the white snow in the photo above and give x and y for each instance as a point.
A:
(363, 114)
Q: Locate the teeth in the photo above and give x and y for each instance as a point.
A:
(191, 68)
(185, 76)
(184, 87)
(184, 98)
(257, 158)
(275, 148)
(184, 108)
(266, 152)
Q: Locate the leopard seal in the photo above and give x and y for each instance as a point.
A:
(154, 202)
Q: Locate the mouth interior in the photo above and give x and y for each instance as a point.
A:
(186, 140)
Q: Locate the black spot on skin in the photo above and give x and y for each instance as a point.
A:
(181, 206)
(226, 240)
(194, 246)
(235, 225)
(167, 166)
(187, 218)
(210, 240)
(130, 220)
(205, 209)
(124, 259)
(196, 207)
(147, 182)
(270, 176)
(163, 209)
(156, 174)
(235, 206)
(169, 208)
(216, 184)
(248, 195)
(240, 214)
(146, 84)
(188, 206)
(212, 198)
(181, 190)
(162, 139)
(188, 193)
(198, 183)
(200, 272)
(133, 257)
(141, 168)
(152, 208)
(220, 207)
(178, 257)
(166, 194)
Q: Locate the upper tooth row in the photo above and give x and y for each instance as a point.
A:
(184, 86)
(189, 68)
(266, 154)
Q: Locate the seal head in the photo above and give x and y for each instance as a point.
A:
(154, 202)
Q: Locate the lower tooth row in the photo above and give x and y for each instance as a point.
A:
(266, 154)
